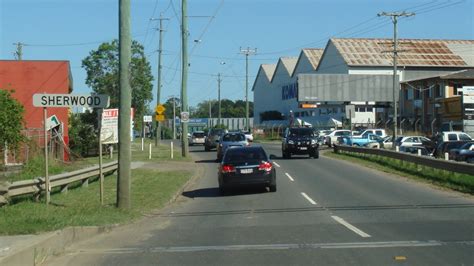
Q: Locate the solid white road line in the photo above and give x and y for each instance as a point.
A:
(277, 165)
(308, 198)
(350, 226)
(289, 176)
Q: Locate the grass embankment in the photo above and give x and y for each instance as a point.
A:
(151, 189)
(455, 181)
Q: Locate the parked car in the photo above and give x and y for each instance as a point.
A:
(299, 140)
(446, 146)
(379, 132)
(197, 137)
(415, 149)
(412, 141)
(231, 139)
(212, 139)
(332, 137)
(464, 153)
(366, 140)
(453, 136)
(246, 166)
(387, 142)
(248, 135)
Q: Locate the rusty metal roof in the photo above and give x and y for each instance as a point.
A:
(414, 52)
(313, 55)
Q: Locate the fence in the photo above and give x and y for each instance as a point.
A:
(456, 167)
(36, 186)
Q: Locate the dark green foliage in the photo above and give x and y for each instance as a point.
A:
(229, 109)
(83, 138)
(11, 120)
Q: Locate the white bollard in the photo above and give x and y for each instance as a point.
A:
(149, 152)
(171, 147)
(446, 156)
(143, 143)
(111, 152)
(397, 148)
(419, 152)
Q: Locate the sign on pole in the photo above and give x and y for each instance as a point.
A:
(109, 125)
(184, 117)
(160, 118)
(70, 100)
(160, 109)
(147, 118)
(52, 122)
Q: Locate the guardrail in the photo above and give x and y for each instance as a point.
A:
(37, 185)
(456, 167)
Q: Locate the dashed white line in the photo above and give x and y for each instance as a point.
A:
(277, 165)
(308, 198)
(289, 176)
(350, 226)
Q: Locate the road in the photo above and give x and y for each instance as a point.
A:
(325, 212)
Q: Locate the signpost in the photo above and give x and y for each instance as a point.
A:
(62, 100)
(52, 122)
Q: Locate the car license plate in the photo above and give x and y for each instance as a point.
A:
(303, 148)
(246, 171)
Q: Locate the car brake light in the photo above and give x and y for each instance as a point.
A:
(266, 166)
(228, 168)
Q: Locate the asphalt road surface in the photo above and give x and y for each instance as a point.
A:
(325, 212)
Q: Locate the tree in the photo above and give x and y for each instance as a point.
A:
(11, 120)
(228, 109)
(102, 67)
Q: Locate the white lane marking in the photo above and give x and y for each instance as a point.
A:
(277, 165)
(344, 245)
(289, 176)
(350, 226)
(308, 198)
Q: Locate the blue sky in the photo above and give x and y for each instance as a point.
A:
(69, 29)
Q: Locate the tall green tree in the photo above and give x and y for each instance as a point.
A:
(229, 108)
(102, 67)
(11, 120)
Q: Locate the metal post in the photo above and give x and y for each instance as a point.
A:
(46, 172)
(101, 174)
(174, 118)
(219, 97)
(247, 52)
(125, 156)
(184, 77)
(210, 114)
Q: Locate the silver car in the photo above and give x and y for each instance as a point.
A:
(233, 139)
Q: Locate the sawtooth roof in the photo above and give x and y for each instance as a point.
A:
(314, 55)
(289, 63)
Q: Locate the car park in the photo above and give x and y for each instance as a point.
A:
(212, 138)
(246, 166)
(197, 137)
(301, 141)
(464, 153)
(231, 139)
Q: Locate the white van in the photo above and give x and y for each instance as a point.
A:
(453, 136)
(379, 132)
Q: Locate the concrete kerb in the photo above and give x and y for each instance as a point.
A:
(35, 249)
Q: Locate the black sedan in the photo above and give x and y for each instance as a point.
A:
(246, 166)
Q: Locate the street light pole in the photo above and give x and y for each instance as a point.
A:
(394, 16)
(184, 77)
(247, 52)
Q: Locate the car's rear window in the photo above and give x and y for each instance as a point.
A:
(198, 135)
(464, 137)
(244, 155)
(233, 137)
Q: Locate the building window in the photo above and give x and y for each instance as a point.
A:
(369, 109)
(438, 91)
(417, 94)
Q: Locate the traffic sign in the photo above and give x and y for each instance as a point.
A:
(69, 100)
(147, 118)
(160, 118)
(184, 117)
(52, 122)
(160, 109)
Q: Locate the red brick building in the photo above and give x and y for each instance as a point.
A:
(28, 77)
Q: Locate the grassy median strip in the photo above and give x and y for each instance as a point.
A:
(151, 189)
(455, 181)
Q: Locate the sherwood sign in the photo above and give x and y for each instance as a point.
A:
(69, 100)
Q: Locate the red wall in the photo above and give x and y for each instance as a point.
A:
(30, 77)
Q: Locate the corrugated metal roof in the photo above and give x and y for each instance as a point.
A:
(313, 55)
(414, 52)
(465, 74)
(268, 69)
(289, 63)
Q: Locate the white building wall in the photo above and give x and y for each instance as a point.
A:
(261, 96)
(332, 62)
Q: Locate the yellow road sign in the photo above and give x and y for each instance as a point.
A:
(160, 109)
(160, 118)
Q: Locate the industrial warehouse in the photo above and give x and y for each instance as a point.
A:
(319, 84)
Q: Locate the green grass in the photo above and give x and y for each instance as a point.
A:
(151, 189)
(455, 181)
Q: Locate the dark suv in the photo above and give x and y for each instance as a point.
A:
(212, 138)
(298, 140)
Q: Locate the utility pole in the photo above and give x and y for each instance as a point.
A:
(219, 117)
(247, 52)
(125, 103)
(174, 117)
(184, 78)
(394, 16)
(158, 93)
(210, 113)
(18, 54)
